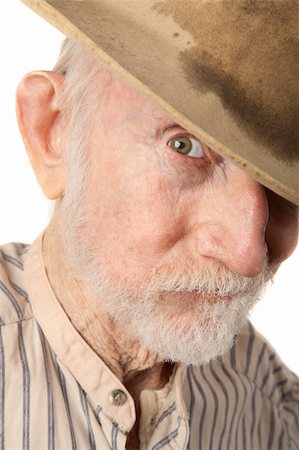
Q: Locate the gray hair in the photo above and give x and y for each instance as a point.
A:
(85, 79)
(85, 83)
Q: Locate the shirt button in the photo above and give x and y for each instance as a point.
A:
(117, 397)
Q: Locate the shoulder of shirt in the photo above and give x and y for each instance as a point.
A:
(14, 301)
(253, 362)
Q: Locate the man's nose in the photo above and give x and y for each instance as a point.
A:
(238, 228)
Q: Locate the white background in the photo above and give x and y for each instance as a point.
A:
(29, 43)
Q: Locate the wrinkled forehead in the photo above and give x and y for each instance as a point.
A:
(121, 106)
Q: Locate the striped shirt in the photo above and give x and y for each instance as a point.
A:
(56, 393)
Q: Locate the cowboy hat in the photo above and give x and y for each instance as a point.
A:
(226, 70)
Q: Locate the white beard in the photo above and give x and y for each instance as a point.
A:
(191, 332)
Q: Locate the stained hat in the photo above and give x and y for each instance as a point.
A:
(226, 70)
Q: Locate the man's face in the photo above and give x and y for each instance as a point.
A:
(173, 240)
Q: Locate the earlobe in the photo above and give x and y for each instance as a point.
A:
(42, 129)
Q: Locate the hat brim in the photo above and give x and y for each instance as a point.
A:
(150, 50)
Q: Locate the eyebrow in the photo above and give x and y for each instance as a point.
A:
(167, 123)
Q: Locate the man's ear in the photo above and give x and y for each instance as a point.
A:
(42, 129)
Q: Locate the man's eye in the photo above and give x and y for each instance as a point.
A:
(188, 146)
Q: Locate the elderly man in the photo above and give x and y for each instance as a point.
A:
(119, 323)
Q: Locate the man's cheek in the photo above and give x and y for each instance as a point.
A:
(156, 223)
(155, 233)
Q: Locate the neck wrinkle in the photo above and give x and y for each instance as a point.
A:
(126, 357)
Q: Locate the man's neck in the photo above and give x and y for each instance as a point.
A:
(131, 362)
